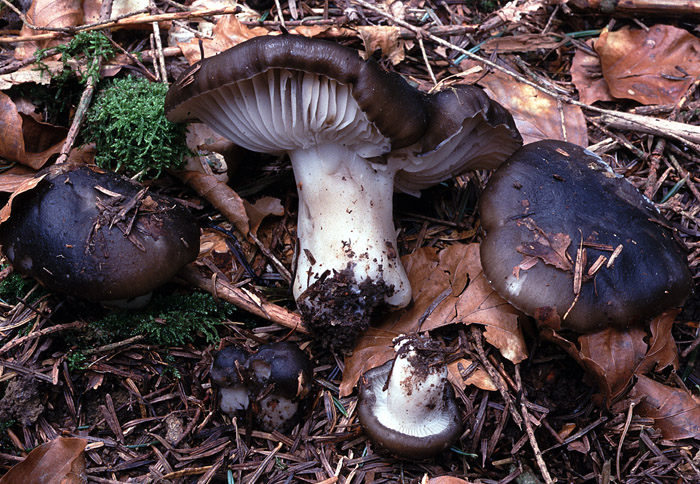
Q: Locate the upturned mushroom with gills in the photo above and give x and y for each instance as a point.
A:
(338, 117)
(575, 245)
(406, 406)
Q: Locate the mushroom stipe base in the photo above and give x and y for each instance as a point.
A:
(341, 294)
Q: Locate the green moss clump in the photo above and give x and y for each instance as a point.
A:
(15, 287)
(169, 320)
(128, 126)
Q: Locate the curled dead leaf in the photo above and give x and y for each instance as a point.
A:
(387, 38)
(60, 461)
(675, 411)
(587, 76)
(479, 377)
(48, 13)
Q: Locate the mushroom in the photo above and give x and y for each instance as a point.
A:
(406, 406)
(565, 235)
(271, 383)
(91, 233)
(337, 117)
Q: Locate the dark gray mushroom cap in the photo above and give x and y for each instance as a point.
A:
(406, 406)
(203, 91)
(467, 132)
(227, 365)
(284, 366)
(552, 198)
(91, 233)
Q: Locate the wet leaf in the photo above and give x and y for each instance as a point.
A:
(48, 13)
(537, 115)
(587, 75)
(652, 67)
(60, 461)
(448, 287)
(675, 411)
(24, 139)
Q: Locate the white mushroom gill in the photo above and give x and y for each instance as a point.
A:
(345, 204)
(412, 403)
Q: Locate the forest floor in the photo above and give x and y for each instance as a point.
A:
(136, 385)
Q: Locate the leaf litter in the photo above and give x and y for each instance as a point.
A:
(148, 410)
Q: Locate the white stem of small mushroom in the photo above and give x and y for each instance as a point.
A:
(345, 217)
(414, 400)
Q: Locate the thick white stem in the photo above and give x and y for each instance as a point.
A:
(345, 220)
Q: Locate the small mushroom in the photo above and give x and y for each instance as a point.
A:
(91, 233)
(565, 235)
(271, 383)
(407, 406)
(337, 117)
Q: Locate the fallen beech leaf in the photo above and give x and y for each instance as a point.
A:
(477, 303)
(220, 195)
(448, 287)
(60, 461)
(262, 208)
(479, 377)
(48, 13)
(611, 357)
(31, 74)
(447, 480)
(25, 140)
(550, 248)
(228, 31)
(587, 76)
(675, 411)
(641, 65)
(24, 186)
(385, 38)
(537, 115)
(663, 351)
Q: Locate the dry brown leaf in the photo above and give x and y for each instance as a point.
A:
(675, 411)
(642, 65)
(663, 351)
(549, 248)
(587, 75)
(387, 38)
(60, 461)
(228, 31)
(522, 43)
(25, 140)
(479, 377)
(24, 186)
(48, 13)
(537, 115)
(31, 74)
(220, 195)
(447, 480)
(471, 300)
(611, 357)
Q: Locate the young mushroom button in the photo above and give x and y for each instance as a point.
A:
(337, 117)
(91, 233)
(271, 384)
(406, 406)
(566, 237)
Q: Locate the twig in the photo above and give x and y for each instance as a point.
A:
(286, 275)
(244, 299)
(159, 45)
(528, 428)
(51, 329)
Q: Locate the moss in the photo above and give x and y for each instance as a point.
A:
(128, 126)
(15, 288)
(169, 320)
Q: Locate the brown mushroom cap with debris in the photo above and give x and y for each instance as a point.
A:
(91, 233)
(337, 117)
(566, 236)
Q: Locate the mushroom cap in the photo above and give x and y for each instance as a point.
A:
(285, 366)
(68, 234)
(226, 366)
(278, 93)
(407, 407)
(468, 131)
(552, 198)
